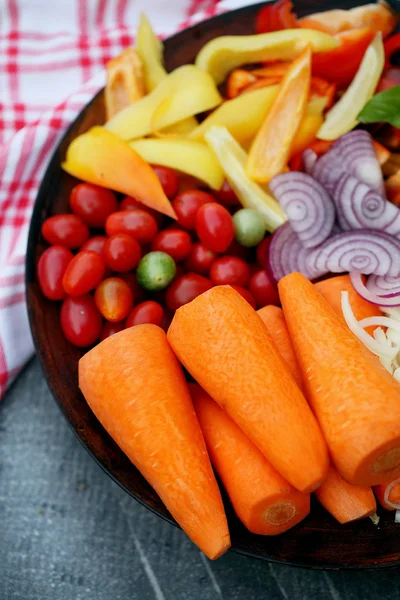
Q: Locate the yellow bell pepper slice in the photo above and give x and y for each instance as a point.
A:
(232, 159)
(270, 150)
(125, 82)
(309, 126)
(242, 116)
(183, 93)
(150, 50)
(223, 54)
(100, 157)
(191, 157)
(343, 116)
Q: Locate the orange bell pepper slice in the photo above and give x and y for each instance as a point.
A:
(341, 64)
(100, 157)
(261, 83)
(238, 80)
(382, 153)
(278, 69)
(270, 149)
(275, 17)
(320, 87)
(320, 147)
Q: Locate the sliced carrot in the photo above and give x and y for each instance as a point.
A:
(263, 500)
(394, 495)
(332, 288)
(274, 320)
(355, 399)
(238, 80)
(270, 150)
(344, 501)
(136, 388)
(224, 344)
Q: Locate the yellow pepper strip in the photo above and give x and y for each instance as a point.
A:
(223, 54)
(100, 157)
(150, 50)
(242, 116)
(309, 126)
(194, 158)
(125, 83)
(270, 150)
(232, 159)
(343, 116)
(187, 91)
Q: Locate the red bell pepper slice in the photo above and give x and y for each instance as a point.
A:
(391, 44)
(275, 17)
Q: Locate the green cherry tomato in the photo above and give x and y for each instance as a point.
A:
(155, 271)
(249, 227)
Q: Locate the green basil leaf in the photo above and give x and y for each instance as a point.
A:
(383, 107)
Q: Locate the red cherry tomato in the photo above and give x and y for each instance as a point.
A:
(262, 251)
(84, 273)
(185, 289)
(80, 321)
(169, 180)
(246, 294)
(138, 292)
(253, 268)
(235, 249)
(95, 243)
(187, 204)
(175, 242)
(51, 268)
(200, 259)
(226, 195)
(263, 289)
(138, 223)
(168, 316)
(129, 203)
(92, 203)
(114, 299)
(146, 312)
(111, 328)
(230, 270)
(65, 230)
(214, 227)
(122, 252)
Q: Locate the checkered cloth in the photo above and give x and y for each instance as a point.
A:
(52, 56)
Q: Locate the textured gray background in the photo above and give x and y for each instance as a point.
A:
(67, 532)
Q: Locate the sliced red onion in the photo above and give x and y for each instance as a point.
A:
(328, 170)
(288, 255)
(309, 159)
(360, 207)
(384, 285)
(307, 205)
(358, 284)
(387, 494)
(368, 251)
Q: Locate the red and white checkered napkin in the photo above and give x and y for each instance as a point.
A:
(52, 56)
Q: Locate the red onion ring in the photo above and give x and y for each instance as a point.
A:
(358, 284)
(384, 285)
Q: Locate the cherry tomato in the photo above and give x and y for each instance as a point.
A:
(138, 292)
(92, 203)
(185, 289)
(111, 328)
(230, 270)
(138, 223)
(95, 243)
(80, 321)
(200, 259)
(51, 268)
(84, 273)
(262, 251)
(235, 249)
(114, 299)
(175, 242)
(168, 316)
(226, 195)
(65, 230)
(146, 312)
(122, 252)
(129, 203)
(214, 227)
(263, 289)
(246, 294)
(168, 179)
(187, 204)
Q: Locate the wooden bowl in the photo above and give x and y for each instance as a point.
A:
(319, 541)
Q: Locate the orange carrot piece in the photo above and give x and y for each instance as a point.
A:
(269, 152)
(394, 495)
(274, 320)
(226, 347)
(136, 388)
(263, 500)
(331, 290)
(238, 80)
(344, 501)
(355, 399)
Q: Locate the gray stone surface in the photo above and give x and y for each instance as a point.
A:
(67, 532)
